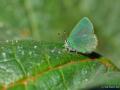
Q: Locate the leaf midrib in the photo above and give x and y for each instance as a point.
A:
(40, 74)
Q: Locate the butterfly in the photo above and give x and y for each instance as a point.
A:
(82, 38)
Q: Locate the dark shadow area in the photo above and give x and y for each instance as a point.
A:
(93, 55)
(104, 89)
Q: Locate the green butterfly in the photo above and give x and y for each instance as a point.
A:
(82, 38)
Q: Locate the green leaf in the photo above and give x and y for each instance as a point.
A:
(31, 65)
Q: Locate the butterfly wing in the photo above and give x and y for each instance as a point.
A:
(82, 38)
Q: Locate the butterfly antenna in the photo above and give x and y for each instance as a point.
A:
(62, 36)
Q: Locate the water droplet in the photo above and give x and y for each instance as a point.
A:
(35, 46)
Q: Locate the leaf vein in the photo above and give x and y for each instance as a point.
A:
(19, 62)
(63, 78)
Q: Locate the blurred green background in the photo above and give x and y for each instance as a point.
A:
(52, 20)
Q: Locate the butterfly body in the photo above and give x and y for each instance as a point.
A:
(82, 38)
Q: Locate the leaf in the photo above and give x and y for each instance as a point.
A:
(31, 65)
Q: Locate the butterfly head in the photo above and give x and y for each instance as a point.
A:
(68, 46)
